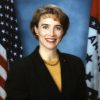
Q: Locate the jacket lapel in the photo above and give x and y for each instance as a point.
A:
(43, 74)
(46, 79)
(68, 76)
(64, 72)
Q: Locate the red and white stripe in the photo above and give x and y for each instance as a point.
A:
(3, 72)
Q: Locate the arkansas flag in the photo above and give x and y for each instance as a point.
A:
(93, 52)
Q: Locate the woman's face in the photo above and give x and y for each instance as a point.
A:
(49, 31)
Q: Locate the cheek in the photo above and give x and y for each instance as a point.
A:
(42, 33)
(60, 35)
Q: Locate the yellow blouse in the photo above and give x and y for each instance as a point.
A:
(55, 72)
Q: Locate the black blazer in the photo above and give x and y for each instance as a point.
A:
(29, 79)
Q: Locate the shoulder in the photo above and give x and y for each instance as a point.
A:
(19, 70)
(18, 62)
(73, 62)
(21, 64)
(74, 65)
(25, 63)
(70, 57)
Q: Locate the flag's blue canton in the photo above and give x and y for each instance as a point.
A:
(93, 23)
(9, 32)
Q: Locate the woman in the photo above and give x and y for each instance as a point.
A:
(47, 74)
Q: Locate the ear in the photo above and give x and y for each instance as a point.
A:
(36, 30)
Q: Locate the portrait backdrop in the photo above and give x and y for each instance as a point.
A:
(76, 39)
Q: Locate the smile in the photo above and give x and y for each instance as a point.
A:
(50, 39)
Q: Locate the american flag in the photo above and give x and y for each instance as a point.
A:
(3, 71)
(93, 53)
(10, 42)
(9, 37)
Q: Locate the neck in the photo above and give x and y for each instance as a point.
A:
(48, 54)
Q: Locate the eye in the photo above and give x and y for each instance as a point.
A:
(45, 26)
(59, 28)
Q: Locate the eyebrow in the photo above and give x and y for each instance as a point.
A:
(44, 24)
(48, 24)
(59, 25)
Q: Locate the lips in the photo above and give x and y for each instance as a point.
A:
(51, 40)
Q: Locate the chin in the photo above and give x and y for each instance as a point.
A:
(51, 47)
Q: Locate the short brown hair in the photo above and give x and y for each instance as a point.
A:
(50, 9)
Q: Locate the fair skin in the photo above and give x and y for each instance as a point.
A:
(49, 32)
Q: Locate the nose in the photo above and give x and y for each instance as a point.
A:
(51, 32)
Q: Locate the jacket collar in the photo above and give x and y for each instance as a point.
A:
(44, 74)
